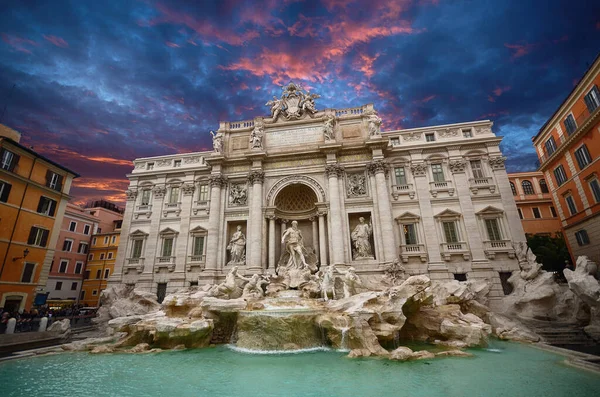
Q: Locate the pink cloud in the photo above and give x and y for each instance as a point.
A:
(500, 90)
(427, 99)
(18, 43)
(172, 45)
(57, 41)
(519, 50)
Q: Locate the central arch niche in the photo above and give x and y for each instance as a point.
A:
(296, 201)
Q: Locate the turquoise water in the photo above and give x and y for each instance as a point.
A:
(514, 370)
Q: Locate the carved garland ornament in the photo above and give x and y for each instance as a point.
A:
(415, 136)
(457, 166)
(418, 169)
(193, 160)
(448, 133)
(497, 163)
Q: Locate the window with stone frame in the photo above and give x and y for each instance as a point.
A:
(582, 237)
(477, 169)
(145, 197)
(570, 124)
(28, 271)
(536, 213)
(167, 246)
(38, 236)
(67, 245)
(582, 155)
(46, 206)
(8, 159)
(203, 193)
(491, 220)
(174, 195)
(595, 188)
(437, 172)
(553, 211)
(168, 242)
(571, 204)
(450, 232)
(400, 176)
(550, 146)
(493, 229)
(592, 99)
(64, 264)
(513, 189)
(543, 186)
(560, 175)
(527, 187)
(409, 231)
(520, 213)
(136, 248)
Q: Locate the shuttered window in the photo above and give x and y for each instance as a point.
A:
(410, 234)
(477, 169)
(570, 124)
(54, 181)
(46, 206)
(145, 197)
(28, 273)
(583, 157)
(450, 232)
(38, 236)
(592, 99)
(167, 247)
(198, 246)
(136, 249)
(4, 191)
(8, 160)
(438, 173)
(550, 146)
(400, 176)
(493, 230)
(559, 174)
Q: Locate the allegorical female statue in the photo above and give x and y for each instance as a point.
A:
(237, 248)
(361, 240)
(217, 141)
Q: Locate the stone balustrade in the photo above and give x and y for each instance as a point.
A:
(457, 248)
(441, 186)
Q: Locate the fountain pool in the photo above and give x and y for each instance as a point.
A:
(504, 369)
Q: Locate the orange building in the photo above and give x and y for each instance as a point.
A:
(68, 266)
(534, 203)
(568, 147)
(34, 192)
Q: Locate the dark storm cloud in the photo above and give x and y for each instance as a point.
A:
(101, 83)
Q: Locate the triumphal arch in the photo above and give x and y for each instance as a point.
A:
(323, 186)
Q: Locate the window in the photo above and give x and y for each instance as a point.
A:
(63, 266)
(570, 124)
(559, 174)
(4, 191)
(9, 160)
(595, 187)
(46, 206)
(527, 187)
(493, 229)
(400, 176)
(94, 241)
(582, 237)
(105, 240)
(58, 286)
(98, 273)
(460, 276)
(86, 229)
(430, 137)
(450, 232)
(536, 212)
(395, 141)
(543, 186)
(90, 257)
(410, 234)
(74, 286)
(136, 248)
(106, 273)
(78, 267)
(99, 230)
(27, 272)
(583, 157)
(592, 99)
(553, 212)
(174, 195)
(38, 237)
(72, 226)
(438, 173)
(550, 146)
(150, 166)
(198, 246)
(571, 204)
(477, 169)
(167, 247)
(161, 292)
(67, 245)
(145, 197)
(102, 256)
(109, 255)
(467, 133)
(513, 188)
(94, 292)
(177, 163)
(54, 181)
(82, 295)
(113, 239)
(520, 213)
(203, 193)
(83, 248)
(86, 275)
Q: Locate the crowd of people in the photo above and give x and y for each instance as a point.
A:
(29, 320)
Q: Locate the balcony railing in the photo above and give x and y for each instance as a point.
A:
(143, 209)
(458, 248)
(442, 186)
(165, 259)
(172, 207)
(482, 183)
(195, 261)
(492, 247)
(413, 250)
(136, 264)
(164, 262)
(406, 189)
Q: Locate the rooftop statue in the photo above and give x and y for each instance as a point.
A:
(217, 139)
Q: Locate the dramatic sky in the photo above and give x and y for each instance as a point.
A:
(100, 83)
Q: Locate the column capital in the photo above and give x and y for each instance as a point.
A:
(159, 191)
(217, 180)
(188, 189)
(377, 166)
(334, 170)
(256, 177)
(131, 194)
(418, 169)
(497, 163)
(457, 166)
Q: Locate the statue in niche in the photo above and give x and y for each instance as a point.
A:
(256, 137)
(351, 281)
(360, 239)
(374, 124)
(328, 128)
(276, 107)
(217, 141)
(356, 185)
(308, 104)
(237, 248)
(227, 288)
(294, 246)
(238, 195)
(254, 288)
(296, 260)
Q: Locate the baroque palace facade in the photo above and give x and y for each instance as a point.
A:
(437, 200)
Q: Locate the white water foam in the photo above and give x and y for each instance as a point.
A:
(494, 350)
(278, 352)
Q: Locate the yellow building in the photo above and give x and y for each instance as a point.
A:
(100, 265)
(34, 192)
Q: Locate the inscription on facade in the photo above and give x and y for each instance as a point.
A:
(297, 136)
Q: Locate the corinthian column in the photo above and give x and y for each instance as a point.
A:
(322, 241)
(378, 168)
(334, 171)
(212, 239)
(254, 262)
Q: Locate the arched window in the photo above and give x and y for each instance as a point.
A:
(514, 190)
(527, 187)
(543, 186)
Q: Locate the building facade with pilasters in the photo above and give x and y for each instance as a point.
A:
(435, 199)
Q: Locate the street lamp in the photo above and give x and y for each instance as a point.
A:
(25, 253)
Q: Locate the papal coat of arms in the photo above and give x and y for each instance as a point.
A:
(293, 104)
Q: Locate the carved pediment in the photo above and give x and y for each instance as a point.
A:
(407, 217)
(138, 233)
(448, 213)
(198, 230)
(489, 210)
(167, 231)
